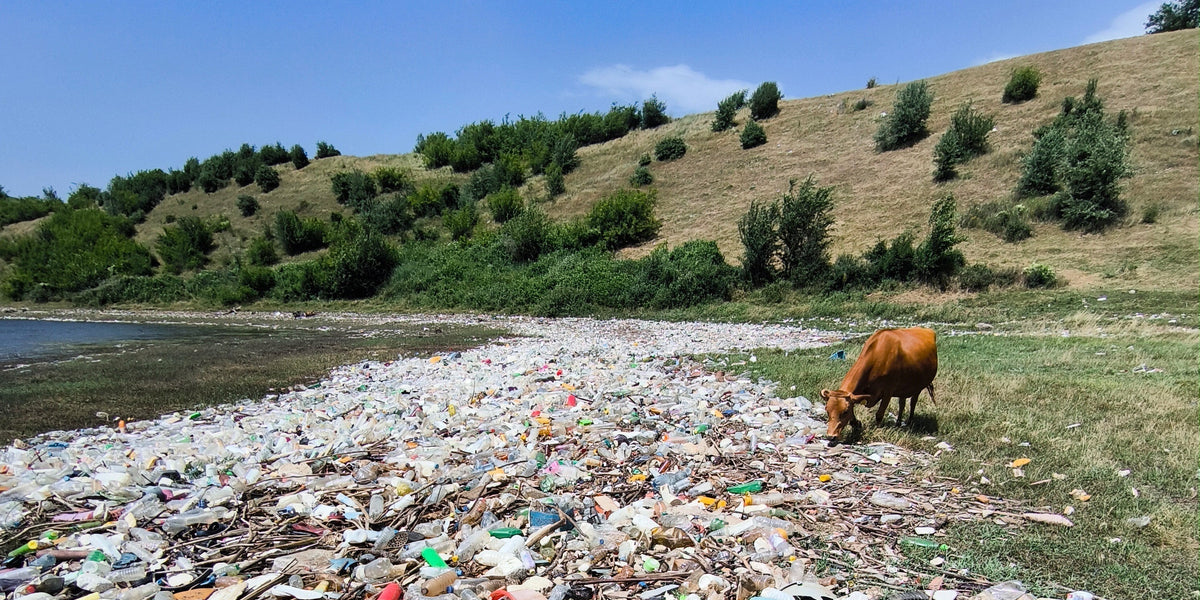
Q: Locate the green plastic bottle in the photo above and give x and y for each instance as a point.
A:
(432, 558)
(504, 532)
(922, 543)
(752, 487)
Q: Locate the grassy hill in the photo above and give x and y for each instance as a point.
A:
(879, 195)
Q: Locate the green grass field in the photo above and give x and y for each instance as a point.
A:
(1084, 406)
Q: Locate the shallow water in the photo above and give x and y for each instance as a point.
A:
(22, 339)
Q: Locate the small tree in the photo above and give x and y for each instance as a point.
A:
(185, 246)
(803, 231)
(325, 150)
(670, 148)
(764, 103)
(936, 260)
(756, 230)
(392, 179)
(1039, 173)
(753, 135)
(1022, 86)
(262, 252)
(354, 189)
(905, 125)
(1173, 16)
(267, 178)
(726, 109)
(966, 139)
(298, 156)
(555, 184)
(654, 113)
(462, 222)
(247, 205)
(625, 217)
(505, 204)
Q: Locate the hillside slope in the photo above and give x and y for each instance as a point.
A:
(1153, 77)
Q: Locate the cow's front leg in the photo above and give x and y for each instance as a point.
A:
(882, 410)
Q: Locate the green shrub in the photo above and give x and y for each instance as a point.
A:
(247, 205)
(860, 104)
(259, 279)
(905, 125)
(462, 221)
(1150, 213)
(267, 178)
(871, 83)
(325, 150)
(1022, 85)
(1174, 16)
(803, 223)
(641, 176)
(298, 157)
(1097, 158)
(564, 153)
(273, 154)
(295, 235)
(392, 179)
(555, 184)
(644, 160)
(209, 182)
(670, 148)
(358, 266)
(505, 204)
(693, 273)
(73, 250)
(483, 182)
(139, 192)
(1040, 276)
(624, 218)
(261, 252)
(136, 289)
(169, 219)
(966, 139)
(727, 109)
(654, 113)
(178, 182)
(15, 210)
(756, 230)
(764, 102)
(354, 189)
(246, 170)
(297, 282)
(84, 196)
(185, 247)
(576, 235)
(388, 216)
(846, 273)
(895, 261)
(1039, 173)
(528, 234)
(1010, 223)
(976, 278)
(753, 135)
(436, 149)
(936, 260)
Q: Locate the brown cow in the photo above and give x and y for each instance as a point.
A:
(894, 363)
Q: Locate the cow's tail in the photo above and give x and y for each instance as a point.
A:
(929, 388)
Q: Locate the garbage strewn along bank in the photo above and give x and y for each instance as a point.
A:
(585, 457)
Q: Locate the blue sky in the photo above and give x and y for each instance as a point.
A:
(89, 89)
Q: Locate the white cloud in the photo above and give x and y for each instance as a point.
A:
(683, 89)
(1128, 24)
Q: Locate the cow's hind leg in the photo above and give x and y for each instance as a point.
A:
(912, 408)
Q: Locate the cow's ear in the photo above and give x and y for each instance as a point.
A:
(825, 394)
(860, 398)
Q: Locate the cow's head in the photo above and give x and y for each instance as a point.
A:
(839, 405)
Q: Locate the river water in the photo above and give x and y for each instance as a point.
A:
(22, 339)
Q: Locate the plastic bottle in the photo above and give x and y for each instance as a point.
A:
(432, 558)
(130, 574)
(141, 592)
(9, 580)
(377, 570)
(922, 543)
(440, 584)
(199, 516)
(886, 500)
(752, 487)
(385, 538)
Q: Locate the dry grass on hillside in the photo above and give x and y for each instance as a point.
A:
(878, 196)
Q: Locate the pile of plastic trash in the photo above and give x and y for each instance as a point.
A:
(585, 456)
